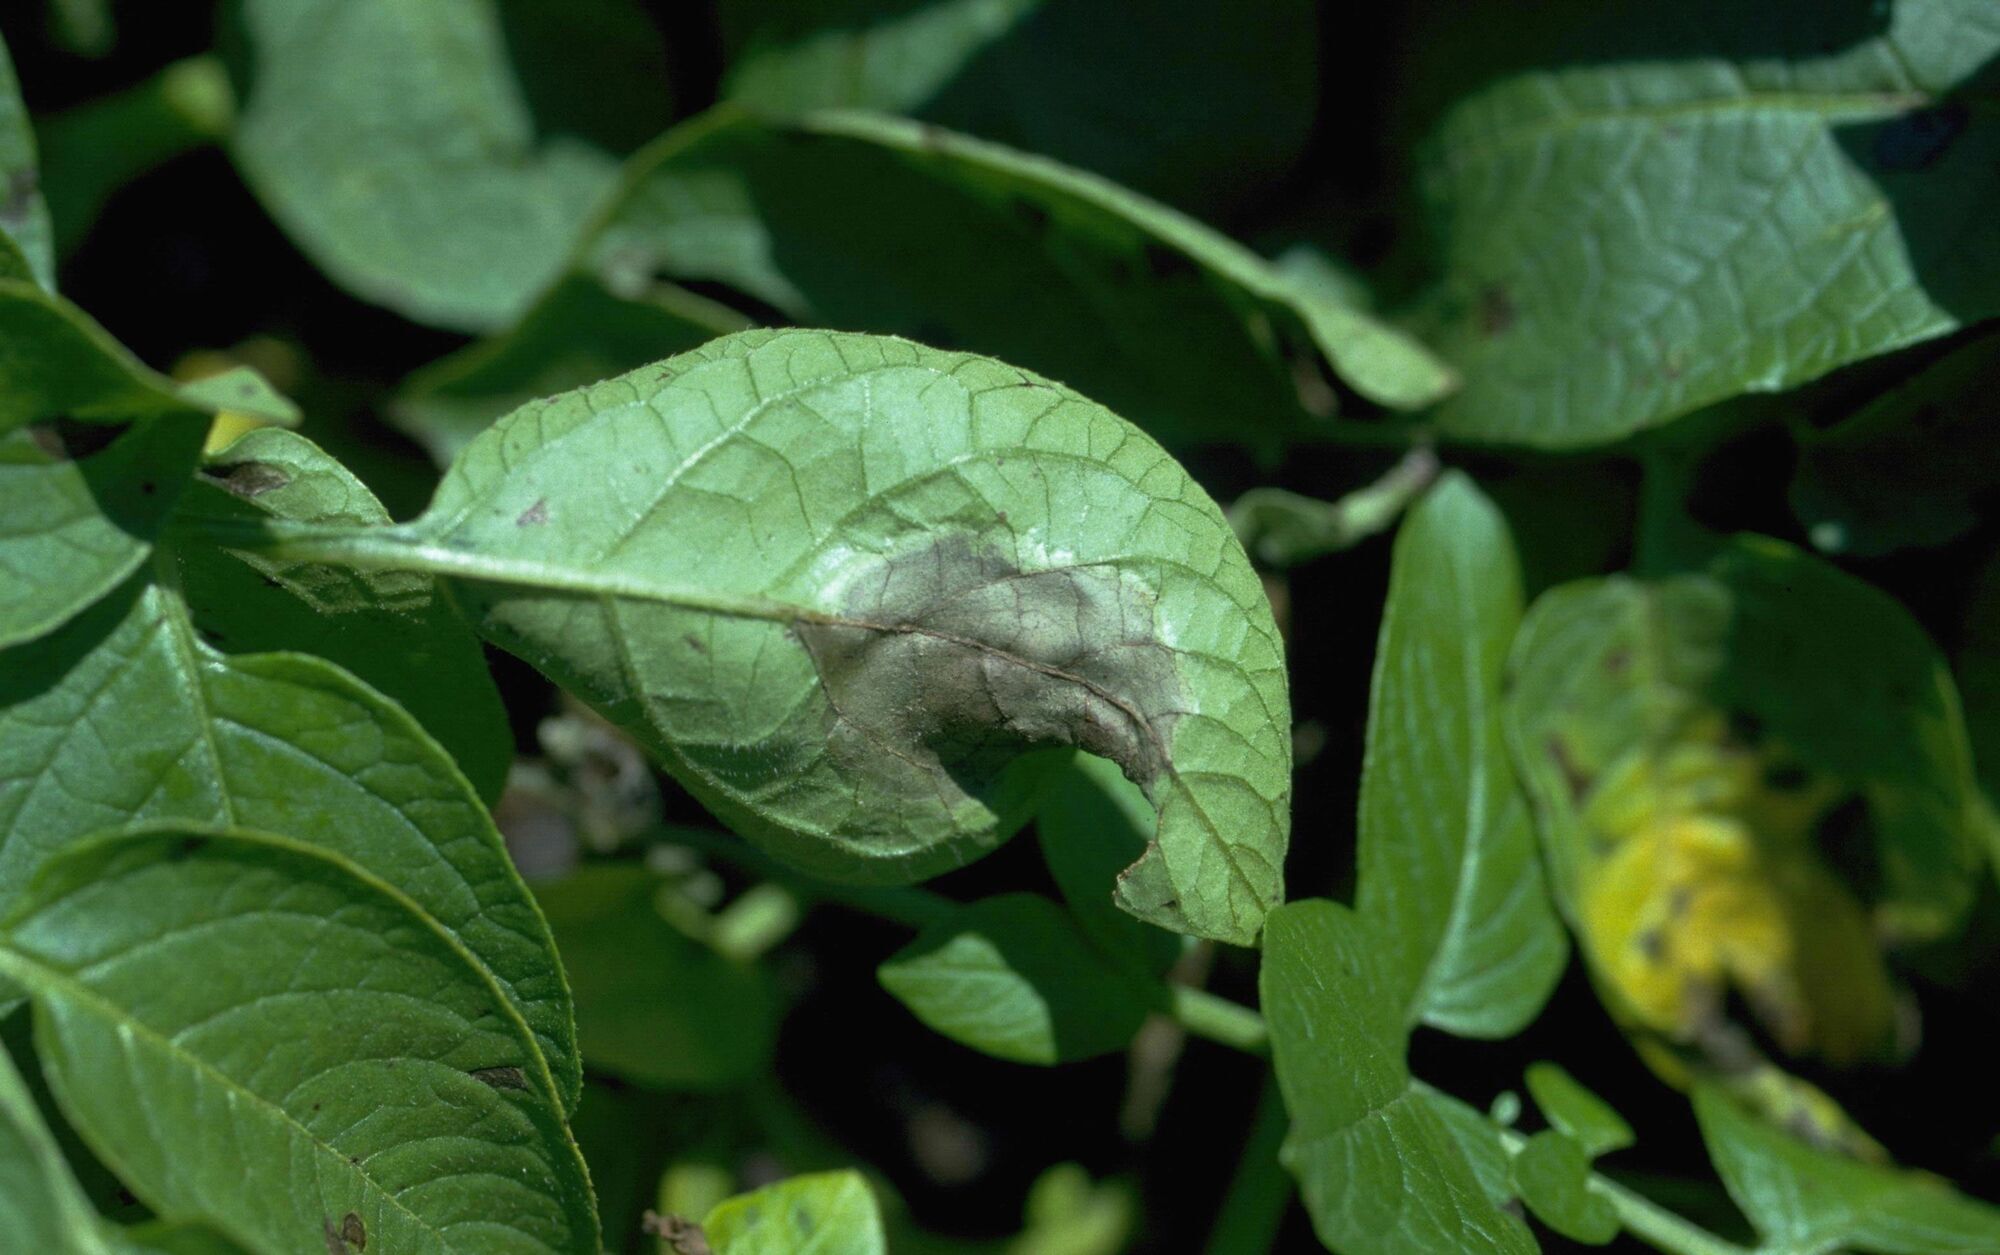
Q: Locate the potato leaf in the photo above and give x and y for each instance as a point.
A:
(838, 583)
(825, 1213)
(45, 1207)
(24, 219)
(126, 717)
(252, 1030)
(1379, 1159)
(1626, 243)
(1448, 867)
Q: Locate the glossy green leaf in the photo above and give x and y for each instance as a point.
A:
(826, 1213)
(24, 218)
(1012, 976)
(1805, 1201)
(575, 334)
(653, 1006)
(318, 1045)
(392, 630)
(1198, 105)
(1092, 823)
(882, 224)
(1629, 242)
(1449, 871)
(400, 147)
(127, 717)
(1552, 1174)
(42, 1205)
(1576, 1111)
(1377, 1158)
(1911, 467)
(836, 583)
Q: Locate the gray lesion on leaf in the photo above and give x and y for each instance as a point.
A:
(949, 660)
(501, 1078)
(248, 479)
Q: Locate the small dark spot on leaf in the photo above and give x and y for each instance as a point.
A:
(353, 1232)
(148, 487)
(1496, 310)
(1573, 777)
(1617, 660)
(1919, 138)
(186, 847)
(694, 643)
(248, 479)
(335, 1244)
(535, 514)
(681, 1235)
(1653, 944)
(501, 1078)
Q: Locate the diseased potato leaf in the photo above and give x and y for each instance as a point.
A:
(392, 630)
(838, 583)
(824, 1213)
(1626, 243)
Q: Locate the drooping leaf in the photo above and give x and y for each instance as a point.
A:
(1911, 467)
(1012, 976)
(653, 1006)
(1626, 243)
(1576, 1111)
(1552, 1174)
(1683, 741)
(882, 224)
(392, 630)
(1377, 1157)
(24, 219)
(575, 334)
(45, 1209)
(252, 1030)
(837, 583)
(126, 717)
(1200, 106)
(1092, 823)
(1805, 1201)
(825, 1213)
(399, 146)
(1448, 867)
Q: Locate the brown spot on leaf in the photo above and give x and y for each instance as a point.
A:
(1617, 660)
(353, 1232)
(535, 514)
(248, 479)
(681, 1235)
(694, 643)
(1573, 776)
(335, 1244)
(501, 1078)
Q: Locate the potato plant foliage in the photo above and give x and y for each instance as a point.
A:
(582, 582)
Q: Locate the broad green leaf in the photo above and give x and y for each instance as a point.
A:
(1197, 105)
(1908, 469)
(24, 219)
(1805, 1201)
(1625, 243)
(836, 583)
(252, 1030)
(73, 530)
(1377, 1157)
(1092, 823)
(392, 630)
(653, 1006)
(1552, 1174)
(1012, 976)
(826, 1213)
(1576, 1111)
(127, 717)
(576, 333)
(1448, 868)
(41, 1205)
(399, 146)
(882, 224)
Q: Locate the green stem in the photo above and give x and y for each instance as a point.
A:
(1217, 1019)
(1645, 1219)
(1254, 1207)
